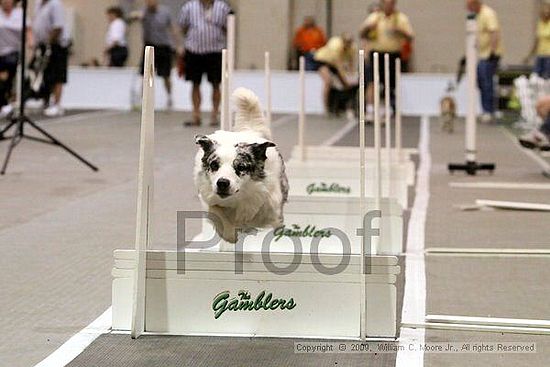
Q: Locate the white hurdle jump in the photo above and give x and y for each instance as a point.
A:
(313, 195)
(338, 176)
(399, 155)
(203, 294)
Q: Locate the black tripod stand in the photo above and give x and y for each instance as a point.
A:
(20, 120)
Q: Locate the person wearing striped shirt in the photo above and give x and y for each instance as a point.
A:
(203, 23)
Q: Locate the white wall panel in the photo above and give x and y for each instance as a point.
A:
(111, 89)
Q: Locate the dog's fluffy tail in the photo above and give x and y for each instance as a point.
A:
(249, 114)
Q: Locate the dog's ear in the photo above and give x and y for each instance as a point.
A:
(205, 142)
(258, 150)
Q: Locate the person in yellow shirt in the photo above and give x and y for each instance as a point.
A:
(386, 31)
(489, 52)
(541, 46)
(367, 37)
(335, 60)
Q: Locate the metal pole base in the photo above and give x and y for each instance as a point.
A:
(19, 123)
(471, 168)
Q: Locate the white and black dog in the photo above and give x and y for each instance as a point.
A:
(240, 174)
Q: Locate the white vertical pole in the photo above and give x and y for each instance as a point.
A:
(231, 44)
(302, 109)
(224, 121)
(387, 97)
(362, 182)
(230, 66)
(145, 193)
(18, 88)
(268, 89)
(377, 142)
(471, 73)
(398, 131)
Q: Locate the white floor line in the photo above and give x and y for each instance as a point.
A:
(340, 133)
(500, 185)
(479, 328)
(414, 300)
(488, 321)
(488, 251)
(531, 154)
(513, 205)
(77, 343)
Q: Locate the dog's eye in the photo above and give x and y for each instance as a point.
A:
(214, 165)
(242, 167)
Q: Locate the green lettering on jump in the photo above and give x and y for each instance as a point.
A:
(243, 302)
(324, 187)
(290, 304)
(296, 230)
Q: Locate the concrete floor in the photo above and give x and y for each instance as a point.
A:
(60, 222)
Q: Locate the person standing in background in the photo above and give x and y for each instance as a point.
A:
(204, 25)
(489, 53)
(116, 44)
(50, 32)
(159, 31)
(11, 27)
(367, 37)
(386, 31)
(541, 46)
(309, 38)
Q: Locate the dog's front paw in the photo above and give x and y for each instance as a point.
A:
(229, 235)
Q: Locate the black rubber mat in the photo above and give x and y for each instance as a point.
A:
(172, 351)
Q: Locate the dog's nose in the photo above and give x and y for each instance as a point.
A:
(223, 184)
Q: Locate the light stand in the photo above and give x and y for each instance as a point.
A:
(471, 166)
(20, 120)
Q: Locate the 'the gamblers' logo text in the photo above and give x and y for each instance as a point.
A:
(244, 302)
(297, 231)
(324, 187)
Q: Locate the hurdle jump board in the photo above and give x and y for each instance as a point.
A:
(342, 180)
(397, 164)
(345, 152)
(401, 170)
(310, 218)
(309, 304)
